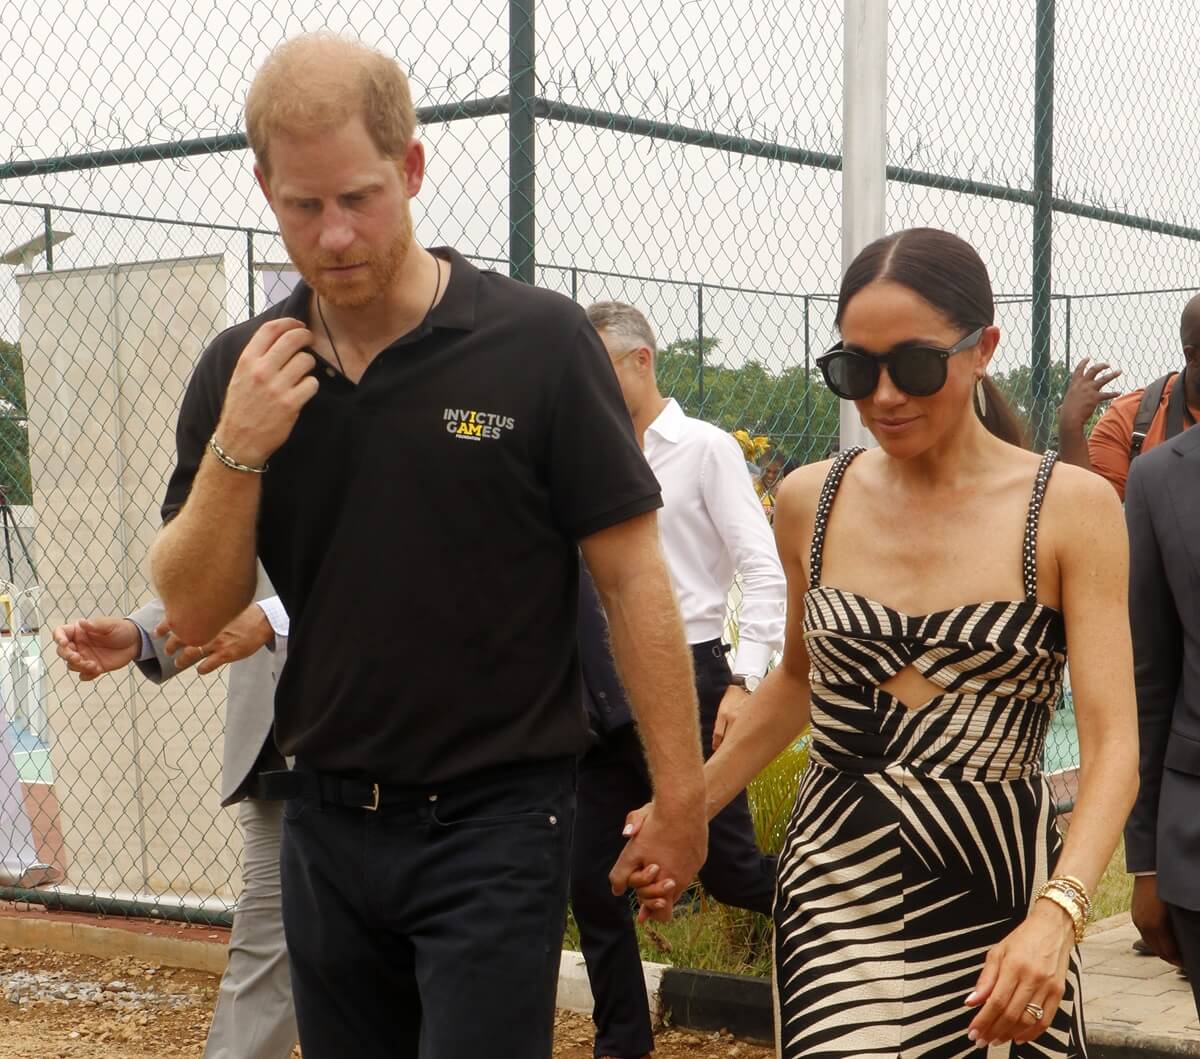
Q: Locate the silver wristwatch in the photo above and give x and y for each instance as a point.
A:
(748, 681)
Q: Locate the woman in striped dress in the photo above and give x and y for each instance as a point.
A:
(934, 584)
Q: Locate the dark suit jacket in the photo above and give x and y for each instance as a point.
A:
(1162, 509)
(603, 694)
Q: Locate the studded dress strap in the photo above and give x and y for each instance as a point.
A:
(832, 480)
(1029, 549)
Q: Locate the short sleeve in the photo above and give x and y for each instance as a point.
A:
(198, 417)
(598, 474)
(1108, 444)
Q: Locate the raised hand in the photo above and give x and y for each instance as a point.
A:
(269, 386)
(1086, 392)
(93, 646)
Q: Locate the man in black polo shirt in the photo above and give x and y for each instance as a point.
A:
(440, 441)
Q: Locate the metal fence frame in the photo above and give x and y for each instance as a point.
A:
(524, 108)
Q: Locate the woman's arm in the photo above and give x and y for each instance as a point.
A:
(1083, 529)
(780, 708)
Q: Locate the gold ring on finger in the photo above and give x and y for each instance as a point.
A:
(1035, 1011)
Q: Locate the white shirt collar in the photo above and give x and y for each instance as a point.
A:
(669, 423)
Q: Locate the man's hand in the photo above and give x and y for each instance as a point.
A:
(666, 848)
(269, 386)
(733, 702)
(92, 646)
(1153, 921)
(1086, 392)
(249, 631)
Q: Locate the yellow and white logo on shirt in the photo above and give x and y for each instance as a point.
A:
(472, 425)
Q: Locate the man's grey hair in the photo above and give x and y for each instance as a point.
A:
(624, 325)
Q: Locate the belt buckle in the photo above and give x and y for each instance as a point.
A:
(374, 805)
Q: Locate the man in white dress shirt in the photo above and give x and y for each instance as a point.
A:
(712, 527)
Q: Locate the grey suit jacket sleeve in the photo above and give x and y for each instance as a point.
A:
(1157, 656)
(162, 666)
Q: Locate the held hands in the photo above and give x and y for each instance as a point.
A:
(1027, 967)
(269, 386)
(94, 646)
(663, 854)
(249, 631)
(1086, 392)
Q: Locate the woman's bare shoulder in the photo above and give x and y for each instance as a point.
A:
(800, 490)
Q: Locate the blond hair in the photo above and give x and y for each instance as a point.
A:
(318, 81)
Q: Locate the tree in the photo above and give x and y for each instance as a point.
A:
(793, 407)
(1017, 387)
(14, 427)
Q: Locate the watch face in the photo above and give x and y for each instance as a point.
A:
(751, 683)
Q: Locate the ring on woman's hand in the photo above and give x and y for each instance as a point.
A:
(1035, 1011)
(203, 653)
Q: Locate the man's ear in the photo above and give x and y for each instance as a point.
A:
(261, 177)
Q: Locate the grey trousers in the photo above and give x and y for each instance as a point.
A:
(255, 1018)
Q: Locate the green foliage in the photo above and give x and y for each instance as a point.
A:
(1017, 387)
(793, 407)
(14, 428)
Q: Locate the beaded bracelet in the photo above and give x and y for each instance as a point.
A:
(230, 462)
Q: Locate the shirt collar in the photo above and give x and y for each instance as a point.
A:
(669, 423)
(456, 309)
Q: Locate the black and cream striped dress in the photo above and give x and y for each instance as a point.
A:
(919, 834)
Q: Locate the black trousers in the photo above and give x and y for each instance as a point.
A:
(1185, 922)
(612, 781)
(432, 927)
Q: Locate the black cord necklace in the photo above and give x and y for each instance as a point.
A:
(329, 334)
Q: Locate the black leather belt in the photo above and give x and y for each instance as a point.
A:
(710, 649)
(285, 784)
(327, 789)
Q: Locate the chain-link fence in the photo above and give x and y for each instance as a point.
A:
(678, 155)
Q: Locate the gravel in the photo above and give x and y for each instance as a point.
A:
(54, 987)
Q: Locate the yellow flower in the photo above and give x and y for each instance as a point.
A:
(754, 449)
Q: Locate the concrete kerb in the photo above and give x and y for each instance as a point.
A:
(45, 932)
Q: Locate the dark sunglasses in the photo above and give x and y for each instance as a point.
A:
(917, 370)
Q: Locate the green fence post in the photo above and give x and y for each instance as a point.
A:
(49, 237)
(522, 96)
(1043, 220)
(807, 389)
(250, 273)
(700, 346)
(1067, 332)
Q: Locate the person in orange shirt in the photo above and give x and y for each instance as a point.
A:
(1157, 411)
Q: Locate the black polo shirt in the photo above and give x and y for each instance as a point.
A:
(421, 528)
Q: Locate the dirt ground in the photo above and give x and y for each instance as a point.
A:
(81, 1007)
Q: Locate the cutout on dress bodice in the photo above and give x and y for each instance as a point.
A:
(911, 688)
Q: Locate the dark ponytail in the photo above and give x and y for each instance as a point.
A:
(997, 415)
(946, 272)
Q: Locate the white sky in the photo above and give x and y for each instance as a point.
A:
(97, 75)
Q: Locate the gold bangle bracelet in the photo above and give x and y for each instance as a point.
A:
(1055, 896)
(1070, 885)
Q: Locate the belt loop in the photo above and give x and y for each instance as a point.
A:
(373, 806)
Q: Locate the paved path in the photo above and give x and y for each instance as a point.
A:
(1135, 1005)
